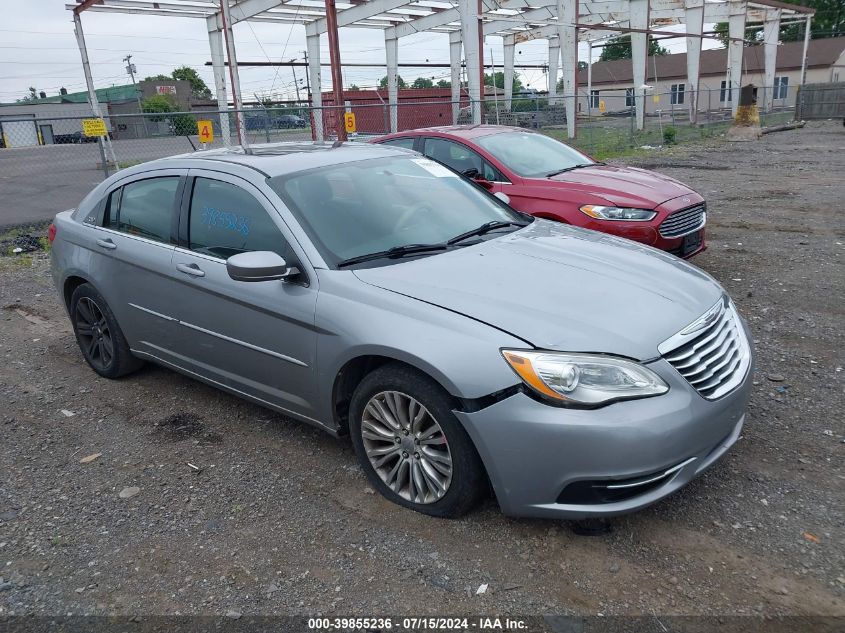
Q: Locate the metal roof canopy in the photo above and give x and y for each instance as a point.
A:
(562, 22)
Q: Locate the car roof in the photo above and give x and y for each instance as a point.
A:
(460, 131)
(278, 159)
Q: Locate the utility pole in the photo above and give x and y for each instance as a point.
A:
(130, 68)
(295, 82)
(307, 80)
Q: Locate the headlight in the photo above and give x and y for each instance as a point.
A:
(584, 379)
(617, 213)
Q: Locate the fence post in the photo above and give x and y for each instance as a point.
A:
(103, 156)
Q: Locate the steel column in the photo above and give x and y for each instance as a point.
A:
(455, 64)
(554, 61)
(391, 47)
(234, 77)
(313, 46)
(694, 11)
(567, 12)
(639, 19)
(771, 33)
(509, 48)
(215, 44)
(736, 33)
(337, 75)
(807, 29)
(470, 37)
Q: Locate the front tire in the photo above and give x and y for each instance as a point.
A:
(99, 336)
(411, 446)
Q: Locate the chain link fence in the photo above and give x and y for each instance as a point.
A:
(49, 164)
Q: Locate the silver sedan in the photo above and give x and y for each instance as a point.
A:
(374, 293)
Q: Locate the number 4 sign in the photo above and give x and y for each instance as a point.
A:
(206, 131)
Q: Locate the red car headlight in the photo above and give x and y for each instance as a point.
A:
(618, 213)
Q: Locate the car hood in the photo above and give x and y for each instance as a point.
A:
(561, 288)
(621, 186)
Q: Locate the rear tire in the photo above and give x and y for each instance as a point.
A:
(411, 446)
(99, 336)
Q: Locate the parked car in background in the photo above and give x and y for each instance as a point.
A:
(373, 292)
(288, 121)
(549, 179)
(73, 138)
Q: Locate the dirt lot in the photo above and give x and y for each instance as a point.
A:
(278, 519)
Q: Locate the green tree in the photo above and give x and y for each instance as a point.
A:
(199, 89)
(620, 48)
(353, 87)
(829, 21)
(157, 104)
(422, 82)
(399, 82)
(158, 78)
(32, 96)
(500, 81)
(161, 106)
(443, 83)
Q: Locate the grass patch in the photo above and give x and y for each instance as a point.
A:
(123, 164)
(614, 138)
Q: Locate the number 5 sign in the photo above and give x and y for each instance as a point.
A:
(206, 131)
(349, 122)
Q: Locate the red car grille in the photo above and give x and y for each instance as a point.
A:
(684, 221)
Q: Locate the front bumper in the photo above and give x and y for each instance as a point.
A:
(533, 451)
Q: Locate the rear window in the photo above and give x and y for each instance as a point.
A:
(143, 208)
(407, 143)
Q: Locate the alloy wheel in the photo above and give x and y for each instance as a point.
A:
(94, 334)
(406, 447)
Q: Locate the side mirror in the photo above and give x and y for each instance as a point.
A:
(503, 197)
(258, 266)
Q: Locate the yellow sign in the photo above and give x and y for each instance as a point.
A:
(656, 98)
(349, 122)
(94, 127)
(602, 106)
(206, 131)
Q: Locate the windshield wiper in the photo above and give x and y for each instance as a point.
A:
(393, 253)
(578, 166)
(485, 228)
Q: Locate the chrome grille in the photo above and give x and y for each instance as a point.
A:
(712, 353)
(684, 221)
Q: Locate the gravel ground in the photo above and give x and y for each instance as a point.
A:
(198, 503)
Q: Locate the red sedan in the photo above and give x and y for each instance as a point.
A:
(549, 179)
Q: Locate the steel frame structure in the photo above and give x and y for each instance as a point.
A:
(562, 22)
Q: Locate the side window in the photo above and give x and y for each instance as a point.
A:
(226, 220)
(143, 208)
(460, 158)
(112, 206)
(407, 143)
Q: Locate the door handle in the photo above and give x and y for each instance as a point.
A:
(190, 269)
(107, 244)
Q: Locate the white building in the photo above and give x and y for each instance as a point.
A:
(612, 82)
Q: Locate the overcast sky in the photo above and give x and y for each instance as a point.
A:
(38, 48)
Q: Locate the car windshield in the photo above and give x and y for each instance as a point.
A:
(532, 155)
(360, 208)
